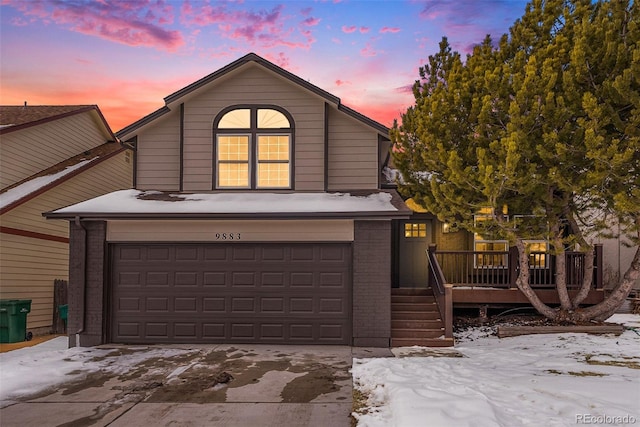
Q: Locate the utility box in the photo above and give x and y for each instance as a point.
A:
(13, 320)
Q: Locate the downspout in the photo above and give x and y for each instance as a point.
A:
(83, 288)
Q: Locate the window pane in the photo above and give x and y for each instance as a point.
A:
(415, 230)
(272, 175)
(272, 119)
(236, 119)
(273, 147)
(491, 260)
(233, 175)
(234, 147)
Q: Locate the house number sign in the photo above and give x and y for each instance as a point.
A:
(227, 236)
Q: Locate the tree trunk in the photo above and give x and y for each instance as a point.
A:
(561, 275)
(523, 283)
(602, 311)
(587, 279)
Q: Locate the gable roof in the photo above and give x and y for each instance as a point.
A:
(25, 190)
(16, 117)
(251, 57)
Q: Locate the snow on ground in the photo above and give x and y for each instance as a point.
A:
(34, 369)
(550, 380)
(533, 380)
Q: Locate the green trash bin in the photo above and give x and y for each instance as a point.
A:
(13, 320)
(63, 310)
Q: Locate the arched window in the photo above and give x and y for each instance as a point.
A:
(253, 148)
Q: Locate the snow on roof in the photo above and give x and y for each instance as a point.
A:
(28, 187)
(150, 202)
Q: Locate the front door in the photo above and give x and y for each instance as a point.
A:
(414, 238)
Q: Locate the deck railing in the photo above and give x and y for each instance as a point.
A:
(500, 269)
(441, 291)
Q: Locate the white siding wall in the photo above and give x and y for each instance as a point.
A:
(31, 150)
(30, 265)
(254, 85)
(158, 155)
(353, 154)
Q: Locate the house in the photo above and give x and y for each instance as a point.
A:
(258, 216)
(50, 156)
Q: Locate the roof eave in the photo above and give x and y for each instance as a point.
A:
(248, 215)
(129, 130)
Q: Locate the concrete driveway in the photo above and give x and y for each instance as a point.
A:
(216, 385)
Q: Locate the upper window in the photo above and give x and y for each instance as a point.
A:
(253, 148)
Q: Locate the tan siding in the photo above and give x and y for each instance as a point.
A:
(28, 151)
(29, 267)
(250, 231)
(254, 85)
(110, 175)
(353, 154)
(159, 155)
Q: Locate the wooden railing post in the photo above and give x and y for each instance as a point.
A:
(598, 267)
(513, 266)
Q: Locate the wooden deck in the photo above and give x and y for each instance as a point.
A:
(465, 296)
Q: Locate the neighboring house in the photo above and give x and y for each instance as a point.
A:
(50, 156)
(257, 216)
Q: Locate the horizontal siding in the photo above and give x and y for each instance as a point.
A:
(158, 155)
(249, 231)
(353, 154)
(29, 267)
(110, 175)
(254, 85)
(28, 151)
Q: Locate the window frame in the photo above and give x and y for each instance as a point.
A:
(529, 242)
(218, 161)
(254, 133)
(478, 238)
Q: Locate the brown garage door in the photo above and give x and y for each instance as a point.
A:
(242, 293)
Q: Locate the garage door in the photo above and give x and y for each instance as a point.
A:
(231, 293)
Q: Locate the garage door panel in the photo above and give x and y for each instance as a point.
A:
(276, 293)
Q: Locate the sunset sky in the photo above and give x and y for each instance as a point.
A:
(126, 56)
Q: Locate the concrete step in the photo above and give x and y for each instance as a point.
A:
(408, 299)
(417, 333)
(423, 342)
(415, 315)
(416, 324)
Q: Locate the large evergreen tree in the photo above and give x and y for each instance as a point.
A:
(546, 122)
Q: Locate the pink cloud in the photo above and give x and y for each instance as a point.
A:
(390, 30)
(133, 24)
(258, 28)
(342, 82)
(280, 60)
(311, 22)
(364, 30)
(350, 29)
(368, 51)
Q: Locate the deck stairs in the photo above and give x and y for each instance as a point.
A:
(415, 319)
